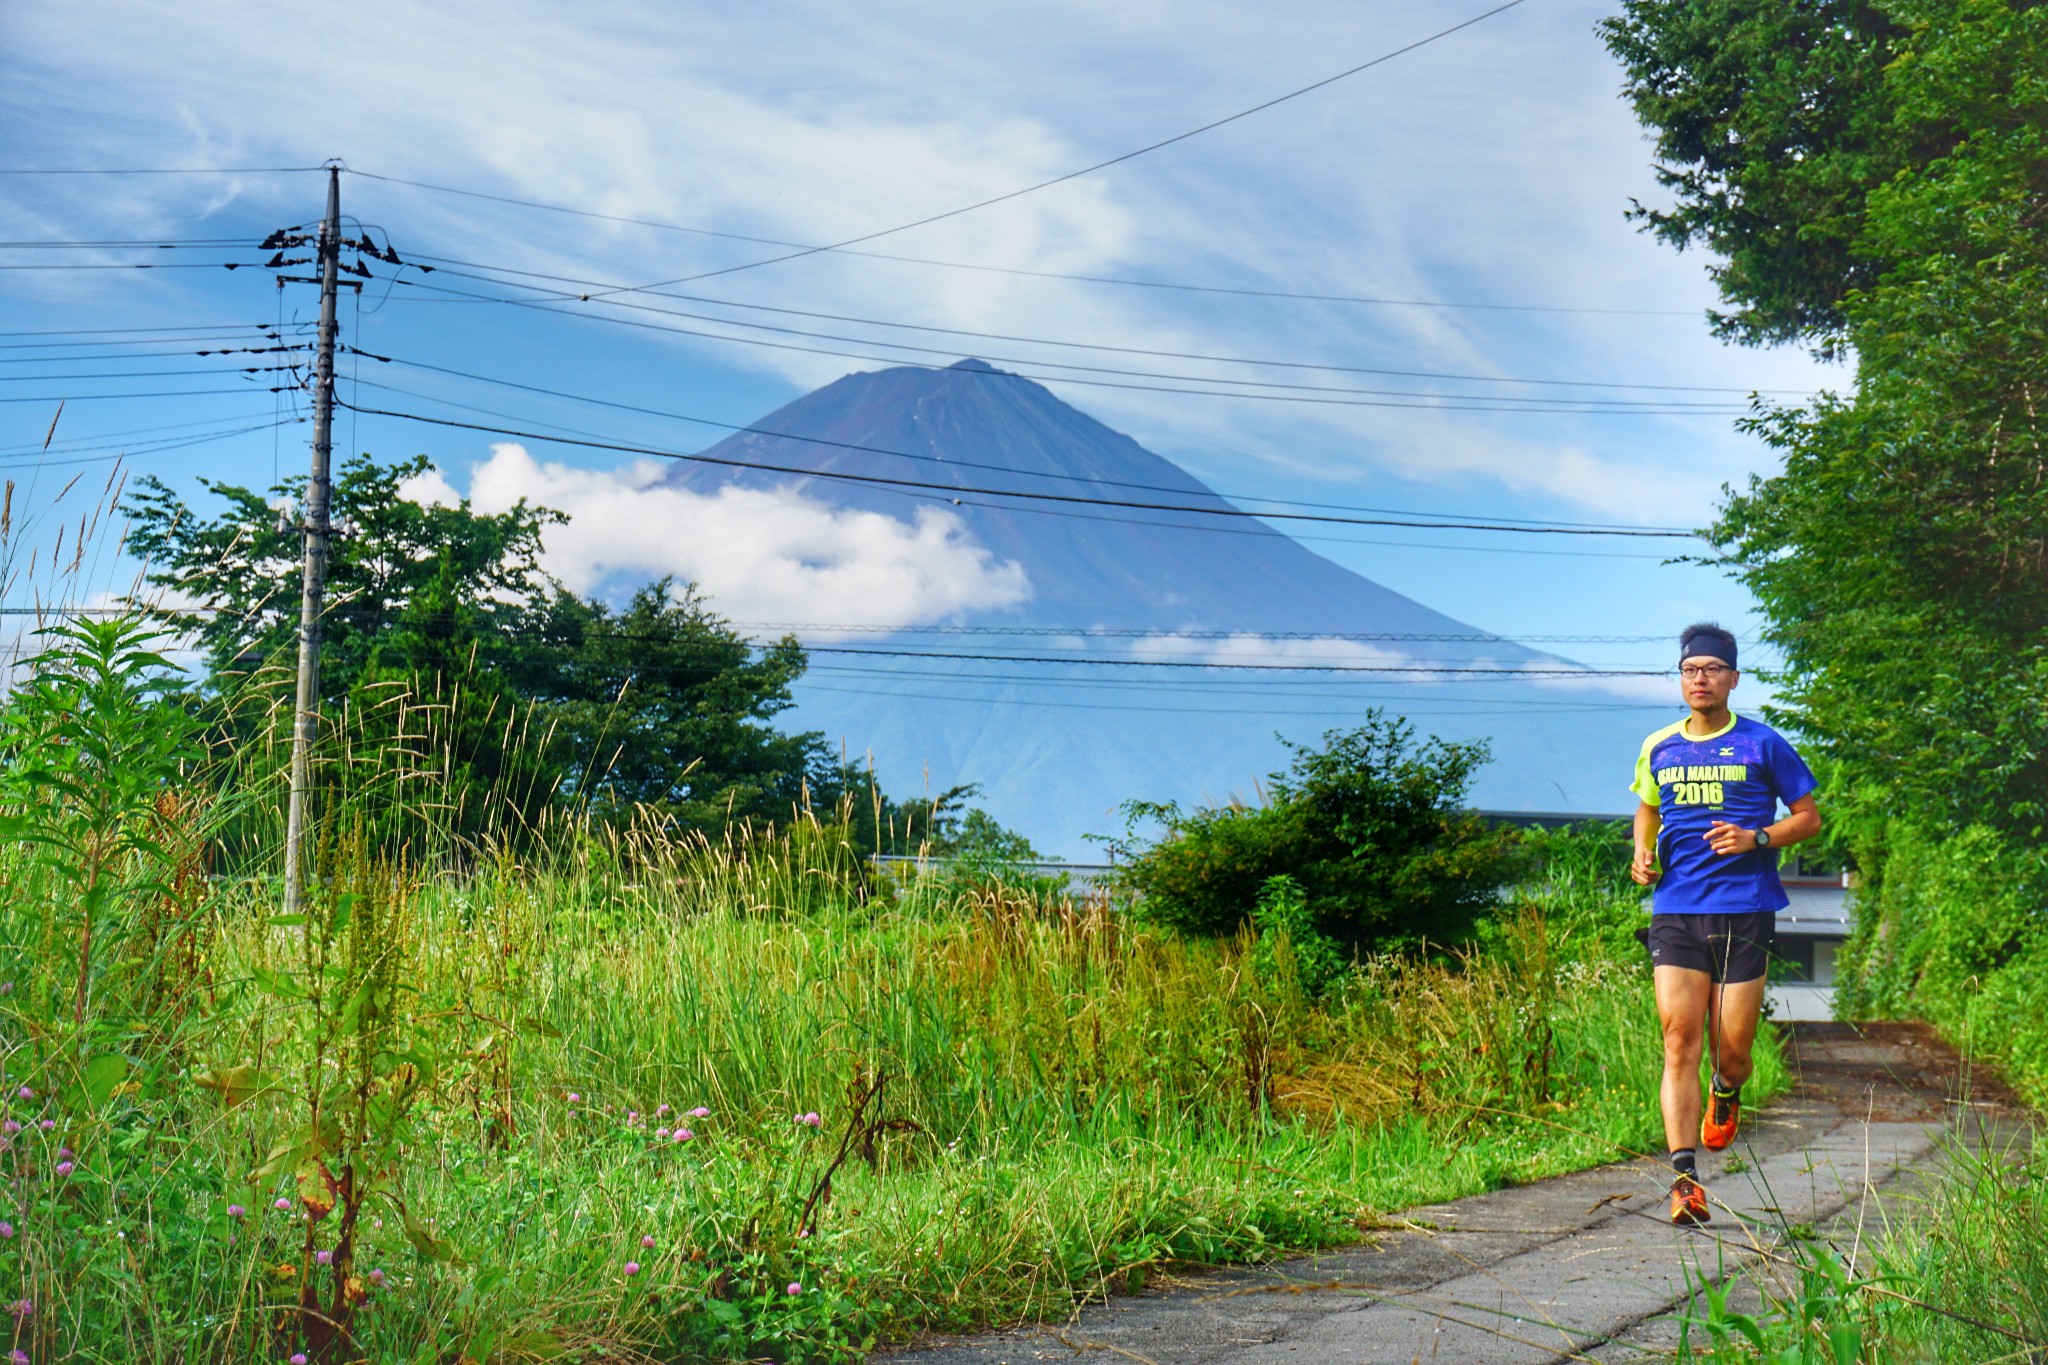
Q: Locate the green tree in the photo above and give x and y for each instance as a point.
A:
(410, 583)
(1773, 123)
(1901, 555)
(1370, 827)
(444, 636)
(661, 704)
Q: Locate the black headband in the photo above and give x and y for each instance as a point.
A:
(1713, 644)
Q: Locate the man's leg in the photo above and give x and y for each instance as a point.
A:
(1733, 1012)
(1683, 997)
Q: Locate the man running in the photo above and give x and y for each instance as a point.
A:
(1707, 837)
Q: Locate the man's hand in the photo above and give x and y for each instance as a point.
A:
(1729, 840)
(1643, 868)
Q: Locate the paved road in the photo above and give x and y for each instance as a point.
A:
(1580, 1268)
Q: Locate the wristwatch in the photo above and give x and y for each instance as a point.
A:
(1763, 838)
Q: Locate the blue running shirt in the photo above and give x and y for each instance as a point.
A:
(1738, 774)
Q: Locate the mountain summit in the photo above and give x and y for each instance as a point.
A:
(1116, 561)
(1056, 747)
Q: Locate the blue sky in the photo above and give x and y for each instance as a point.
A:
(1490, 168)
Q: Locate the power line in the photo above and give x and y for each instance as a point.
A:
(203, 372)
(1442, 403)
(1140, 633)
(157, 170)
(143, 265)
(1333, 710)
(166, 244)
(77, 455)
(811, 248)
(1150, 523)
(160, 393)
(953, 489)
(124, 331)
(135, 431)
(1429, 670)
(150, 340)
(1503, 522)
(1045, 341)
(1112, 161)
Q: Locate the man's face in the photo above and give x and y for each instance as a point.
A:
(1705, 682)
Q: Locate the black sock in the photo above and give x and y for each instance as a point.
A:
(1682, 1163)
(1725, 1090)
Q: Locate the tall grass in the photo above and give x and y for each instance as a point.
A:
(644, 1096)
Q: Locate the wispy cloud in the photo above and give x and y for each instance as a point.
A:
(1492, 166)
(760, 555)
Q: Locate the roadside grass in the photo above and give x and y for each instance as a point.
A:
(1957, 1270)
(1019, 1102)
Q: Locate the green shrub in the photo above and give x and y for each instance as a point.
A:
(1369, 826)
(1952, 929)
(1288, 945)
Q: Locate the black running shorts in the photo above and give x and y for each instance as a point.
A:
(1728, 948)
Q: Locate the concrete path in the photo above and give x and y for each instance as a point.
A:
(1580, 1268)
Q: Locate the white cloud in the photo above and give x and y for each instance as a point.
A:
(1492, 166)
(758, 555)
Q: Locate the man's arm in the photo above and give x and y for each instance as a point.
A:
(1726, 839)
(1644, 866)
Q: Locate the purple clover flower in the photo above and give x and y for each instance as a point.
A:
(632, 1267)
(64, 1169)
(795, 1289)
(48, 1125)
(281, 1204)
(377, 1278)
(237, 1211)
(700, 1112)
(25, 1093)
(323, 1258)
(647, 1243)
(681, 1135)
(296, 1358)
(6, 1229)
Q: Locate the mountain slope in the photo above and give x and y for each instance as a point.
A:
(1057, 747)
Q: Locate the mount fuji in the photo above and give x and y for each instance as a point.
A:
(1134, 563)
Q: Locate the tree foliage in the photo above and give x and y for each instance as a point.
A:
(1369, 826)
(444, 636)
(1901, 555)
(1772, 123)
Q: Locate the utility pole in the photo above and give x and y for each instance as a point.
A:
(306, 704)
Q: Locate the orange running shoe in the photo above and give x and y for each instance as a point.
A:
(1689, 1202)
(1723, 1117)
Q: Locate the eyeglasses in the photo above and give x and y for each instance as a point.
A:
(1708, 671)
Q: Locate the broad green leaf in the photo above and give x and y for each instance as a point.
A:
(103, 1074)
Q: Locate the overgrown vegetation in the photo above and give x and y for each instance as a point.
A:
(1954, 931)
(620, 1091)
(1370, 828)
(1873, 175)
